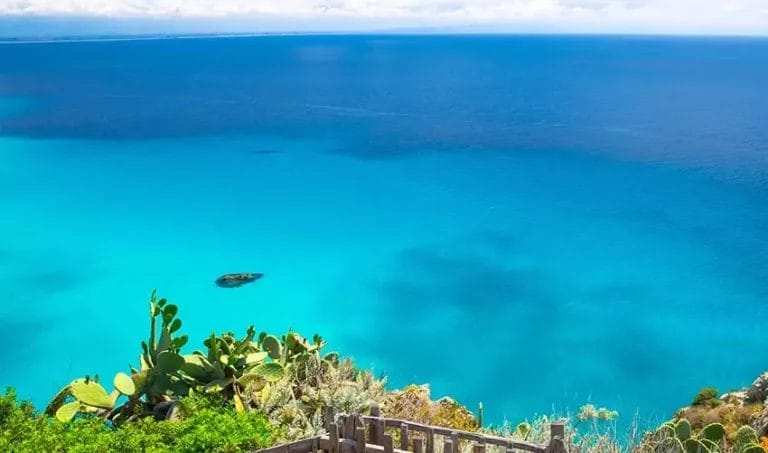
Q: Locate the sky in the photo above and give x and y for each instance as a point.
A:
(740, 17)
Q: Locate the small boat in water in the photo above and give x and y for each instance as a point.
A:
(235, 280)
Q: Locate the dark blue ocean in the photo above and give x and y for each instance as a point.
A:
(531, 222)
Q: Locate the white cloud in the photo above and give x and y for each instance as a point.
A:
(682, 16)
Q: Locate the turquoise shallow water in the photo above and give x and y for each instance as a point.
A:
(529, 279)
(521, 281)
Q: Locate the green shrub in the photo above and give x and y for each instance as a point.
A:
(706, 397)
(207, 425)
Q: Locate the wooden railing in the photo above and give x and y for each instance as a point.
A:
(352, 433)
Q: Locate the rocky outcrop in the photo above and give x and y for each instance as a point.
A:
(758, 392)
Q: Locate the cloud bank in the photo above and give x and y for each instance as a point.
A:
(665, 16)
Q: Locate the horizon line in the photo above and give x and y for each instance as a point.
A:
(433, 31)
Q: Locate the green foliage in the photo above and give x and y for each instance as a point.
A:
(272, 345)
(714, 432)
(744, 437)
(669, 445)
(124, 384)
(694, 446)
(158, 376)
(87, 395)
(285, 377)
(683, 430)
(207, 425)
(752, 448)
(711, 438)
(225, 363)
(90, 393)
(711, 446)
(706, 397)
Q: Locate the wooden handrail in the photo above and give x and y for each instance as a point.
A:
(349, 436)
(465, 435)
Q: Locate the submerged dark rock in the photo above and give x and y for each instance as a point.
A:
(235, 280)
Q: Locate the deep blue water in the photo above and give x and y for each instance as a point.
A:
(531, 222)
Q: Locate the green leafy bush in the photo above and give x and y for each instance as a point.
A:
(206, 425)
(706, 397)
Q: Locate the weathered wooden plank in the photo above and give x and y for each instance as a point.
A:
(333, 436)
(403, 436)
(360, 439)
(464, 435)
(329, 416)
(375, 425)
(359, 423)
(304, 445)
(348, 445)
(478, 448)
(430, 440)
(378, 431)
(276, 449)
(557, 430)
(448, 446)
(349, 427)
(418, 444)
(557, 438)
(455, 442)
(388, 443)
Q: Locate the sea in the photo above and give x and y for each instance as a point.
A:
(531, 222)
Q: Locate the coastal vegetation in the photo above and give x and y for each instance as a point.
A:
(251, 391)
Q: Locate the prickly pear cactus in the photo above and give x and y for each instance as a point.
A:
(683, 430)
(271, 344)
(664, 431)
(714, 432)
(332, 358)
(90, 393)
(68, 411)
(711, 446)
(752, 448)
(124, 384)
(670, 445)
(695, 446)
(745, 436)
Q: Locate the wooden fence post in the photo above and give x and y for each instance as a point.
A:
(418, 445)
(360, 439)
(448, 446)
(431, 441)
(377, 426)
(349, 427)
(330, 416)
(455, 442)
(403, 436)
(333, 438)
(557, 437)
(478, 448)
(388, 444)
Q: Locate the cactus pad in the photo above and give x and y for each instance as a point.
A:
(90, 393)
